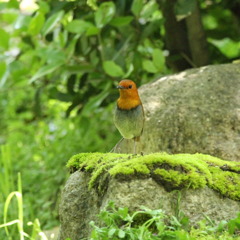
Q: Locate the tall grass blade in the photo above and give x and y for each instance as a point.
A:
(6, 174)
(19, 221)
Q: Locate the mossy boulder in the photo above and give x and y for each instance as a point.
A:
(174, 172)
(207, 185)
(197, 110)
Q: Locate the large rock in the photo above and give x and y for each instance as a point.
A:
(197, 110)
(78, 206)
(207, 185)
(194, 111)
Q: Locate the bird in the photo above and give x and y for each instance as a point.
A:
(129, 112)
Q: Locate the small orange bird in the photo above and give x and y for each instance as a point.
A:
(129, 113)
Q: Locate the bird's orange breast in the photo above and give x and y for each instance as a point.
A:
(127, 104)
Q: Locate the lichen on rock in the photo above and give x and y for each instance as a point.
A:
(177, 171)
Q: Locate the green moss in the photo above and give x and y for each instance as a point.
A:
(172, 171)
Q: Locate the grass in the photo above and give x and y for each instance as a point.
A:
(119, 223)
(6, 177)
(17, 225)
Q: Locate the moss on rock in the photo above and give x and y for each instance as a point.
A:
(176, 171)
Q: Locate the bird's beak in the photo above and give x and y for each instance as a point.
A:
(120, 87)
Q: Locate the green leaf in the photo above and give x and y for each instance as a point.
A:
(4, 39)
(45, 70)
(95, 102)
(54, 93)
(149, 66)
(158, 59)
(22, 22)
(121, 21)
(9, 16)
(36, 24)
(13, 4)
(121, 233)
(184, 8)
(18, 71)
(111, 232)
(71, 46)
(91, 31)
(136, 7)
(129, 71)
(43, 7)
(104, 14)
(92, 4)
(52, 22)
(148, 9)
(3, 70)
(227, 46)
(112, 69)
(78, 26)
(123, 212)
(80, 68)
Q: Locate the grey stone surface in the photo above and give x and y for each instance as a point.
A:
(197, 110)
(79, 206)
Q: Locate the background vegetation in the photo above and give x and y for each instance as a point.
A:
(59, 63)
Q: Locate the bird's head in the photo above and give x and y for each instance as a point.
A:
(127, 85)
(129, 97)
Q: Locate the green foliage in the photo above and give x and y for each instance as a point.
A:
(65, 48)
(63, 59)
(119, 223)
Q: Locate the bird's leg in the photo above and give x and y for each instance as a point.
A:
(114, 148)
(134, 145)
(136, 139)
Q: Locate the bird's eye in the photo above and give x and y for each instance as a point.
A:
(130, 86)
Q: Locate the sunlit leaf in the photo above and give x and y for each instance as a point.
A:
(18, 70)
(78, 26)
(158, 59)
(13, 4)
(129, 71)
(92, 31)
(43, 7)
(148, 9)
(36, 23)
(3, 69)
(227, 46)
(111, 232)
(9, 16)
(52, 22)
(149, 66)
(4, 39)
(92, 4)
(104, 14)
(121, 233)
(112, 69)
(22, 22)
(136, 7)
